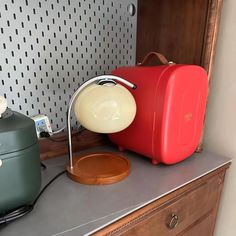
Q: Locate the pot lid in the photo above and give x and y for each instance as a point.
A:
(17, 132)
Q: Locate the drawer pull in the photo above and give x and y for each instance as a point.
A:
(173, 222)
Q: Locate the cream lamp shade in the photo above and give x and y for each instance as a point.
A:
(105, 108)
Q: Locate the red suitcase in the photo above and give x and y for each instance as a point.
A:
(171, 103)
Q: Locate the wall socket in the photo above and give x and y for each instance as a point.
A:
(42, 124)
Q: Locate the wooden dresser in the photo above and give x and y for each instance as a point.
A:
(180, 199)
(189, 211)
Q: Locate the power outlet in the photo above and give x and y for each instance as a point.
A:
(42, 124)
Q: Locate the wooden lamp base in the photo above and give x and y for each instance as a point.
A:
(99, 168)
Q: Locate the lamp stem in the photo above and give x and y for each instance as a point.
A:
(74, 96)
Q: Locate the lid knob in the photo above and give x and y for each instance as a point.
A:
(3, 105)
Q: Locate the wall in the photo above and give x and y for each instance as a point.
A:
(48, 48)
(220, 131)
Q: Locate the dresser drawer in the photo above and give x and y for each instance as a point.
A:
(173, 217)
(203, 227)
(177, 215)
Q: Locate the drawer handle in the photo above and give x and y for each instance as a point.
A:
(173, 222)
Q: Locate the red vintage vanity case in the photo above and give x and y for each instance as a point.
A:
(171, 103)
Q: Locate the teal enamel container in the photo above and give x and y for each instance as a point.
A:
(20, 173)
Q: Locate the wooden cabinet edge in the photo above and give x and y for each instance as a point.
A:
(211, 33)
(221, 183)
(127, 222)
(209, 42)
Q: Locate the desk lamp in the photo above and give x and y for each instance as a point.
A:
(101, 105)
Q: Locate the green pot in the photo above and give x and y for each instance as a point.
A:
(20, 173)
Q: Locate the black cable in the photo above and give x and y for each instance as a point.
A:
(9, 217)
(45, 134)
(21, 211)
(15, 214)
(45, 187)
(43, 166)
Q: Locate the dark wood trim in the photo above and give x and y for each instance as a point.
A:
(221, 183)
(209, 43)
(174, 28)
(211, 33)
(57, 145)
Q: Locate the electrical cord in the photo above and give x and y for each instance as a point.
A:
(45, 187)
(57, 131)
(21, 211)
(43, 166)
(45, 134)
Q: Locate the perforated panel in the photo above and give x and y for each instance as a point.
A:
(49, 47)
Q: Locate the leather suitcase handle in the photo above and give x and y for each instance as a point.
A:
(158, 55)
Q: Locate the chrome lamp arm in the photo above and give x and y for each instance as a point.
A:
(74, 96)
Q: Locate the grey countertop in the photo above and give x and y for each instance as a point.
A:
(67, 208)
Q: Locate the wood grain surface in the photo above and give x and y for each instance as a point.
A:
(173, 28)
(57, 145)
(99, 168)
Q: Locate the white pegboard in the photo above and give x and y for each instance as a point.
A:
(49, 47)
